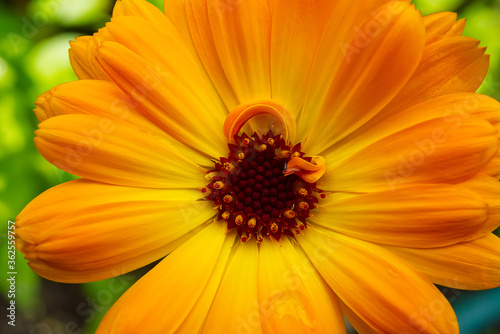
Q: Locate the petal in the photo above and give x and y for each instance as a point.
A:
(202, 41)
(455, 65)
(147, 40)
(435, 151)
(385, 292)
(473, 265)
(79, 59)
(104, 99)
(236, 308)
(377, 62)
(92, 97)
(241, 37)
(194, 321)
(414, 216)
(232, 41)
(452, 108)
(293, 298)
(165, 98)
(95, 147)
(442, 25)
(488, 189)
(171, 283)
(297, 29)
(357, 323)
(104, 230)
(139, 8)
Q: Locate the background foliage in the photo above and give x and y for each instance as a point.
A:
(34, 37)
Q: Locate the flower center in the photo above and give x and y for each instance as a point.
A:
(260, 189)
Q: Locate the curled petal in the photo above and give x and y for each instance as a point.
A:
(307, 171)
(245, 112)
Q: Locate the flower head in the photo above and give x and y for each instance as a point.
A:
(296, 160)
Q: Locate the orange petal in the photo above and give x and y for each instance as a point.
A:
(102, 230)
(177, 281)
(147, 38)
(376, 64)
(488, 189)
(164, 96)
(363, 274)
(198, 34)
(238, 117)
(104, 99)
(308, 171)
(442, 25)
(436, 151)
(413, 216)
(139, 8)
(357, 323)
(296, 31)
(97, 148)
(236, 301)
(241, 34)
(473, 265)
(293, 297)
(455, 65)
(232, 41)
(78, 57)
(452, 108)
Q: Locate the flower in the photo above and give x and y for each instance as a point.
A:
(296, 160)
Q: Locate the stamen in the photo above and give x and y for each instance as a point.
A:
(238, 220)
(218, 185)
(252, 222)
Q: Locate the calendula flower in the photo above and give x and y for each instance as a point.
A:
(296, 160)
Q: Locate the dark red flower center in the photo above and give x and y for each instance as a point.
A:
(252, 193)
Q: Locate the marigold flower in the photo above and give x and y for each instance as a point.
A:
(296, 160)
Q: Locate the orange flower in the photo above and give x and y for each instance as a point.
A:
(392, 188)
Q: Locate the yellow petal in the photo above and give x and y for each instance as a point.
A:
(377, 62)
(357, 323)
(435, 151)
(95, 147)
(193, 323)
(165, 98)
(293, 297)
(162, 299)
(473, 265)
(235, 308)
(413, 216)
(363, 275)
(102, 230)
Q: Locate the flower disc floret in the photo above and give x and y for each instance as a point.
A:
(252, 193)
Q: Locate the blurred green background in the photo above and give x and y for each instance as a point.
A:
(34, 37)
